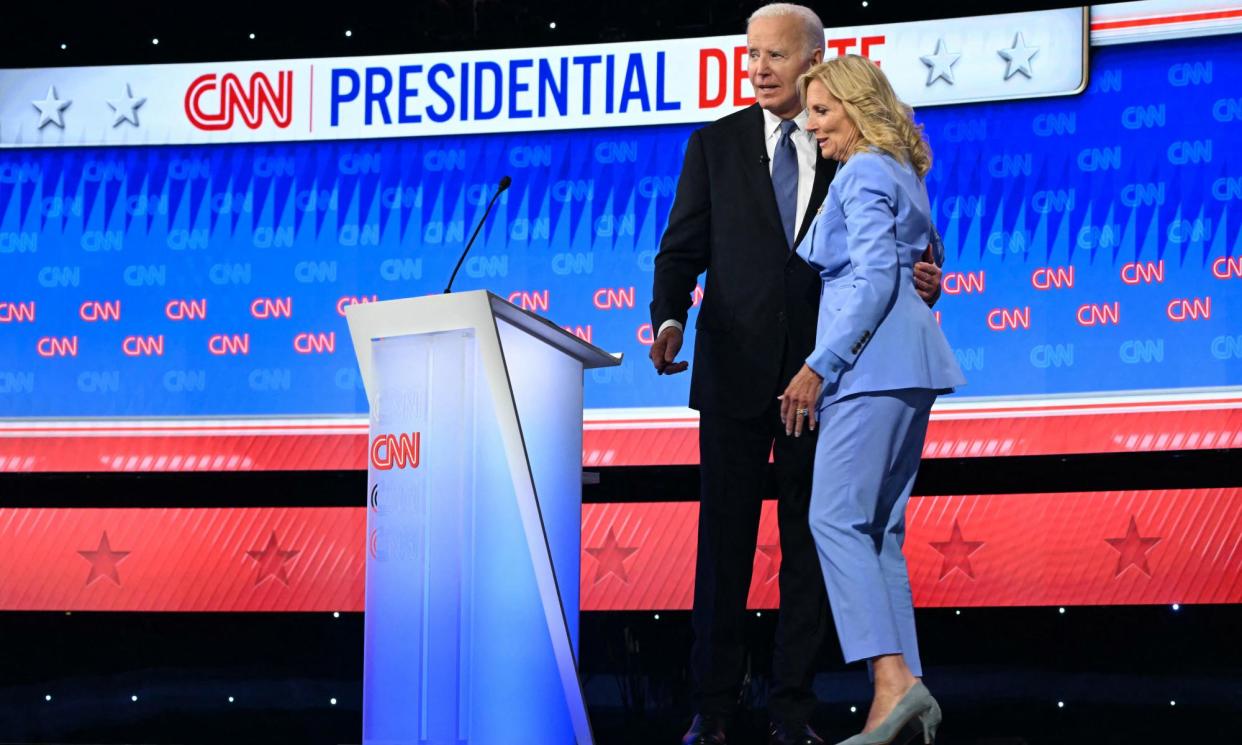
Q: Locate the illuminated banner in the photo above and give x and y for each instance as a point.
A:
(1016, 55)
(1092, 246)
(1070, 548)
(1092, 241)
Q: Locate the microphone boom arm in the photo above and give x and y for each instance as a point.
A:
(504, 184)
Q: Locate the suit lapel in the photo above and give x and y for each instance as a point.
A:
(824, 171)
(754, 154)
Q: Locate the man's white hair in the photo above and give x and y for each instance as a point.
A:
(812, 27)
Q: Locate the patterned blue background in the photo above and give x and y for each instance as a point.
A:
(1145, 166)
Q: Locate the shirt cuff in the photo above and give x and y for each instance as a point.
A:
(670, 322)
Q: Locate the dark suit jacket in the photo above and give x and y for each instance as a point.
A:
(759, 295)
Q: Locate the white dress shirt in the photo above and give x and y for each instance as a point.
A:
(807, 149)
(805, 144)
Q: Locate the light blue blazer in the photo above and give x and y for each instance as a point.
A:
(874, 331)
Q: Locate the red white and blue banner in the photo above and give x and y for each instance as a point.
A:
(679, 81)
(172, 289)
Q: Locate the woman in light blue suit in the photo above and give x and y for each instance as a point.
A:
(879, 362)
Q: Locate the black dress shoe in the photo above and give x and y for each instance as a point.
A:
(705, 730)
(787, 734)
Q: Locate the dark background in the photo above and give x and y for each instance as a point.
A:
(111, 34)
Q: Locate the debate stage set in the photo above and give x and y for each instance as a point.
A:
(264, 478)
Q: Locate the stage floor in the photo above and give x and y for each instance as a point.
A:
(1113, 674)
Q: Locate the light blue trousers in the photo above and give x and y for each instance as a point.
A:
(865, 463)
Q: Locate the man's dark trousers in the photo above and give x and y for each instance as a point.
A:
(754, 330)
(735, 478)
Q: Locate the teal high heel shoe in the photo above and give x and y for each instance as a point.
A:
(916, 704)
(930, 720)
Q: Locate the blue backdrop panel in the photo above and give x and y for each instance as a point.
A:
(272, 239)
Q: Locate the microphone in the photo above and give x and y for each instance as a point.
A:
(504, 184)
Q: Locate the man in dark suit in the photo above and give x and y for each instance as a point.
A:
(749, 189)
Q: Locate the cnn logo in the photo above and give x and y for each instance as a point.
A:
(400, 451)
(212, 102)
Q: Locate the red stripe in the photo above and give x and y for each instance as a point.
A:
(665, 420)
(183, 559)
(1212, 15)
(343, 447)
(186, 428)
(1185, 546)
(1020, 549)
(597, 423)
(1094, 406)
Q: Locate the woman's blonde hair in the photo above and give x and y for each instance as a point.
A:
(882, 119)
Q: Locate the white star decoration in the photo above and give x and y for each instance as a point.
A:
(940, 64)
(1018, 57)
(51, 109)
(126, 108)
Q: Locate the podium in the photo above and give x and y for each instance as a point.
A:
(474, 492)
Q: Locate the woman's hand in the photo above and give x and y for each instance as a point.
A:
(798, 401)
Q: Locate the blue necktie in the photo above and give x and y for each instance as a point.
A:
(785, 179)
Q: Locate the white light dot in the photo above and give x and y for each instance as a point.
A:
(853, 709)
(864, 3)
(252, 36)
(64, 46)
(1172, 703)
(1060, 704)
(348, 32)
(230, 699)
(958, 612)
(657, 616)
(552, 25)
(332, 701)
(1177, 606)
(1061, 610)
(758, 614)
(133, 698)
(155, 41)
(336, 614)
(48, 697)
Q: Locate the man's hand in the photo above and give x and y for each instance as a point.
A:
(927, 279)
(664, 352)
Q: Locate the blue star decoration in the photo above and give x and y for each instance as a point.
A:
(940, 65)
(126, 107)
(51, 109)
(1018, 57)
